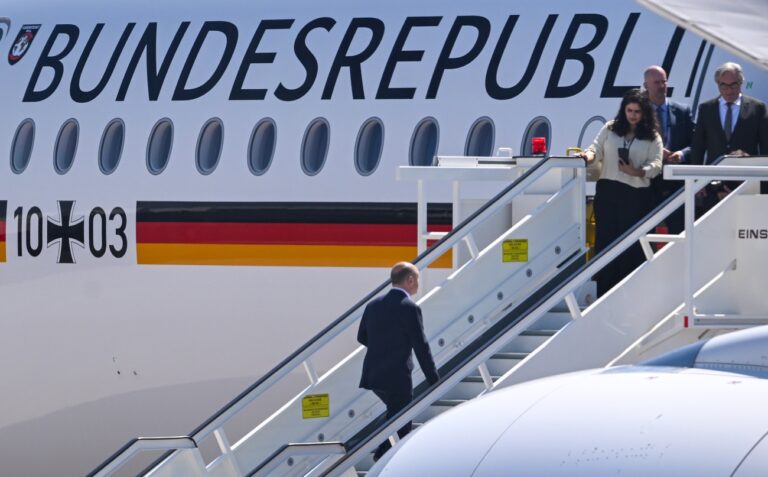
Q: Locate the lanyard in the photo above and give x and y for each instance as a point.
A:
(627, 145)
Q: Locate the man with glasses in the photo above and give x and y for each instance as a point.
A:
(732, 124)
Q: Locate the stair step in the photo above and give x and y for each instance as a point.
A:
(552, 320)
(448, 402)
(539, 332)
(477, 379)
(517, 355)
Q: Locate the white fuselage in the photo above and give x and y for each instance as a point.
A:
(112, 346)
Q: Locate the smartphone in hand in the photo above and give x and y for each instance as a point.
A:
(624, 155)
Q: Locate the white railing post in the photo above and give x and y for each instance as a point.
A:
(311, 372)
(421, 217)
(690, 210)
(226, 452)
(456, 220)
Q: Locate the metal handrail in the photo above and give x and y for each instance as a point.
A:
(494, 343)
(481, 353)
(141, 444)
(434, 252)
(297, 449)
(422, 261)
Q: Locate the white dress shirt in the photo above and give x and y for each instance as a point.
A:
(736, 106)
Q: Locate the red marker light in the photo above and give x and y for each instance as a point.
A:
(539, 145)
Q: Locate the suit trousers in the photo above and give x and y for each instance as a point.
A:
(395, 402)
(618, 207)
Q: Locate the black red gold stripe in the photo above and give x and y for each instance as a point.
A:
(3, 206)
(282, 233)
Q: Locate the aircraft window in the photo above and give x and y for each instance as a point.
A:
(66, 146)
(424, 142)
(590, 130)
(209, 146)
(480, 138)
(23, 141)
(370, 142)
(261, 150)
(111, 147)
(538, 127)
(159, 146)
(314, 148)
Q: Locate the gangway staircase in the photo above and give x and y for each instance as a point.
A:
(490, 323)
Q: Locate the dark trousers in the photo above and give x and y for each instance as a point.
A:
(395, 402)
(618, 207)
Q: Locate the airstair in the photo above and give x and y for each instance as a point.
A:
(512, 309)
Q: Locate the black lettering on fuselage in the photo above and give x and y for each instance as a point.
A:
(492, 86)
(47, 60)
(446, 62)
(75, 90)
(610, 90)
(354, 62)
(581, 54)
(155, 77)
(253, 57)
(452, 54)
(307, 59)
(230, 33)
(669, 57)
(399, 55)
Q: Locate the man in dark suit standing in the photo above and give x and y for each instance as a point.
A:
(676, 126)
(733, 124)
(391, 328)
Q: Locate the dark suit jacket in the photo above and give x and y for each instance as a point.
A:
(750, 133)
(681, 128)
(391, 327)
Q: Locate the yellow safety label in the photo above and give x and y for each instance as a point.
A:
(315, 405)
(515, 250)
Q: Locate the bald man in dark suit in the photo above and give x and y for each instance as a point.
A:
(391, 329)
(733, 124)
(676, 123)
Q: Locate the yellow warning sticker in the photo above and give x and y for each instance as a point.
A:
(515, 250)
(315, 405)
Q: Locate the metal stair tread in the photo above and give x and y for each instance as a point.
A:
(510, 355)
(477, 379)
(448, 402)
(539, 332)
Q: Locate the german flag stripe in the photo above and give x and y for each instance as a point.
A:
(291, 212)
(282, 234)
(279, 255)
(266, 233)
(3, 206)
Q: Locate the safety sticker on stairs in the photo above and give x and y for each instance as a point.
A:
(515, 250)
(315, 405)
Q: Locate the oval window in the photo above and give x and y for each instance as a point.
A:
(480, 138)
(159, 146)
(538, 127)
(590, 130)
(314, 147)
(66, 146)
(369, 145)
(424, 143)
(21, 150)
(209, 146)
(111, 147)
(262, 146)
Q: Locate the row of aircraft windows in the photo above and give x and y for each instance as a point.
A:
(261, 149)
